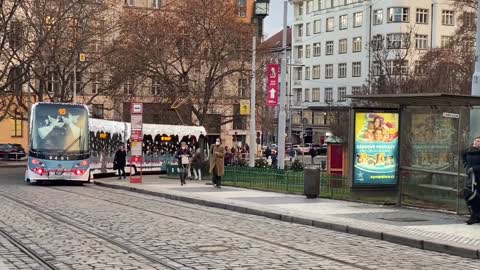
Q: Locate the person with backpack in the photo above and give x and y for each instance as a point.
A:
(183, 156)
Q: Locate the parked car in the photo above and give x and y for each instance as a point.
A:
(11, 151)
(320, 149)
(301, 149)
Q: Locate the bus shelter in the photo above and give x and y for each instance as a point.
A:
(412, 144)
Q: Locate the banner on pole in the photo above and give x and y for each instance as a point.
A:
(244, 107)
(272, 85)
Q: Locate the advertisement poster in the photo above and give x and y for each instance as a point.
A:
(376, 148)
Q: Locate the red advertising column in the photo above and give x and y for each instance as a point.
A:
(272, 85)
(136, 141)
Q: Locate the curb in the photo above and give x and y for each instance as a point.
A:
(425, 244)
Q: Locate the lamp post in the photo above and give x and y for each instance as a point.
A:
(281, 113)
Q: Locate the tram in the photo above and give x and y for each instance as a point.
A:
(59, 143)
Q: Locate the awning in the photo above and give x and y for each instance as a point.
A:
(422, 99)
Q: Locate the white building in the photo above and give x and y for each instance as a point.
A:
(330, 40)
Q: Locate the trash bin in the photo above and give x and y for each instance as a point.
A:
(311, 182)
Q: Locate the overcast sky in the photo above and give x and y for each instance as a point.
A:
(274, 21)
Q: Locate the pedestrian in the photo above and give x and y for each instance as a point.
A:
(268, 152)
(183, 156)
(292, 154)
(312, 153)
(197, 164)
(217, 154)
(119, 162)
(471, 162)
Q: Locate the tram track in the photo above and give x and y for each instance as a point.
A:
(274, 243)
(64, 219)
(27, 251)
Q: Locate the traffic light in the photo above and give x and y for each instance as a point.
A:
(258, 137)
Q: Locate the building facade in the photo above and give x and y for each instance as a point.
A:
(336, 43)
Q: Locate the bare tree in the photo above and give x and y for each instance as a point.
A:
(198, 46)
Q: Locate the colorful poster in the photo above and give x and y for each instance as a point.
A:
(376, 148)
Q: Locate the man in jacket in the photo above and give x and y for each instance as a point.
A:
(217, 155)
(471, 162)
(119, 162)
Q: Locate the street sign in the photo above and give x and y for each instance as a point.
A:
(451, 115)
(136, 141)
(82, 57)
(272, 85)
(244, 107)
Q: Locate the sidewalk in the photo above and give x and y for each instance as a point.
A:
(423, 229)
(13, 163)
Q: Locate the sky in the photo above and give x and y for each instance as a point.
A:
(274, 21)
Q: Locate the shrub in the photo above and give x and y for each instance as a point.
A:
(261, 163)
(297, 165)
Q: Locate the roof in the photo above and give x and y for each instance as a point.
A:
(275, 41)
(422, 99)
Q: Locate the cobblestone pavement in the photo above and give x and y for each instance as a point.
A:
(190, 236)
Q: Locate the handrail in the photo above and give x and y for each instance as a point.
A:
(431, 171)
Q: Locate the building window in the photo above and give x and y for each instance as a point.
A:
(299, 28)
(469, 19)
(398, 41)
(299, 50)
(317, 26)
(128, 87)
(343, 22)
(377, 42)
(15, 78)
(447, 17)
(298, 73)
(328, 71)
(328, 95)
(97, 111)
(242, 87)
(17, 125)
(53, 85)
(308, 51)
(421, 42)
(357, 19)
(317, 49)
(316, 95)
(300, 9)
(398, 14)
(420, 68)
(242, 8)
(342, 92)
(309, 6)
(396, 67)
(130, 2)
(316, 73)
(329, 48)
(378, 17)
(97, 83)
(307, 73)
(319, 4)
(308, 29)
(357, 44)
(15, 35)
(342, 70)
(306, 97)
(422, 16)
(356, 69)
(444, 41)
(356, 90)
(156, 3)
(377, 68)
(342, 46)
(156, 84)
(330, 24)
(298, 96)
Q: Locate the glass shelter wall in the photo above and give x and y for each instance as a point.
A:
(431, 169)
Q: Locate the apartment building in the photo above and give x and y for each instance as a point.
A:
(330, 43)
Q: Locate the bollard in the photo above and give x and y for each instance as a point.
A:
(324, 165)
(311, 182)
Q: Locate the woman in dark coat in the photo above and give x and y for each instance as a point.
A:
(471, 162)
(119, 162)
(183, 156)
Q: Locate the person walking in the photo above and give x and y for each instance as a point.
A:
(312, 153)
(119, 162)
(471, 162)
(217, 155)
(268, 152)
(183, 156)
(292, 154)
(197, 164)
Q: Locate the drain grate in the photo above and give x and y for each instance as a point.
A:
(404, 219)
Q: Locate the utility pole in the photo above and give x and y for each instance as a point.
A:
(253, 146)
(475, 112)
(75, 78)
(283, 93)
